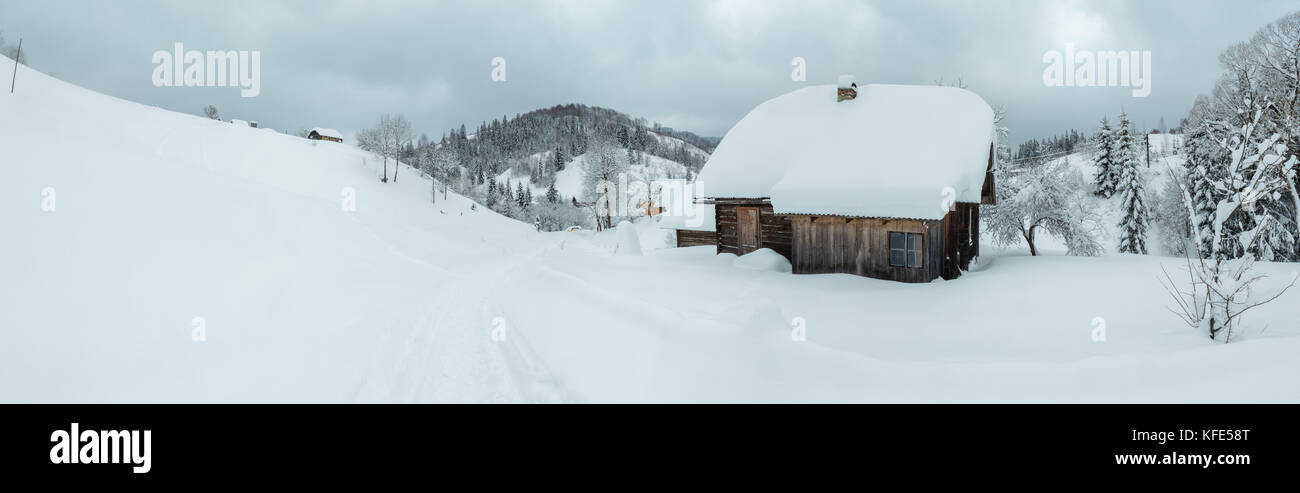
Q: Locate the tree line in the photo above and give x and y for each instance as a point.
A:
(536, 146)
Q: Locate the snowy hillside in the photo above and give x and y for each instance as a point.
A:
(161, 218)
(568, 182)
(129, 227)
(1107, 211)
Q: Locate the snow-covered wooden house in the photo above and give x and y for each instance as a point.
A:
(885, 183)
(325, 134)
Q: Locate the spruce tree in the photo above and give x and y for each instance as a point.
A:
(1204, 169)
(552, 195)
(1106, 177)
(1133, 227)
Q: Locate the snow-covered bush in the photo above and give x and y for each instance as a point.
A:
(1048, 197)
(1172, 222)
(1258, 169)
(556, 216)
(1241, 147)
(1217, 293)
(600, 174)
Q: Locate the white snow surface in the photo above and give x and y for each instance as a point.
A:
(629, 243)
(763, 259)
(891, 152)
(173, 221)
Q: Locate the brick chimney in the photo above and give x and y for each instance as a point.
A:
(848, 88)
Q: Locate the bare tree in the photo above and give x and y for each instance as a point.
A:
(1047, 196)
(387, 140)
(445, 162)
(397, 133)
(210, 111)
(372, 139)
(1218, 292)
(600, 172)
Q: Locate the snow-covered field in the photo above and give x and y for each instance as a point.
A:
(162, 222)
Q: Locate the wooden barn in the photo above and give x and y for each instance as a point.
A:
(883, 181)
(693, 226)
(325, 134)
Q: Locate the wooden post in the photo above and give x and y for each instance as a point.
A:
(1148, 142)
(17, 57)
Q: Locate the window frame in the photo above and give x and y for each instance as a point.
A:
(907, 250)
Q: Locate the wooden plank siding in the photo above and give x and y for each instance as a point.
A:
(692, 237)
(774, 231)
(989, 192)
(854, 245)
(961, 239)
(828, 244)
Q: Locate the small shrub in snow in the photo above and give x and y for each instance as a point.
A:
(1217, 294)
(1172, 222)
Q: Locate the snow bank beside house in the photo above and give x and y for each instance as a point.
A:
(764, 259)
(629, 243)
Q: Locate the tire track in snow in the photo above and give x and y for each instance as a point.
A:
(448, 354)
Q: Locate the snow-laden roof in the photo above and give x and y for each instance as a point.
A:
(889, 153)
(328, 132)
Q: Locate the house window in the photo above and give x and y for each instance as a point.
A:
(905, 250)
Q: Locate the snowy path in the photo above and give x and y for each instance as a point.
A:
(449, 353)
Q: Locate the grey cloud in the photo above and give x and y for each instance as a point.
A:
(694, 65)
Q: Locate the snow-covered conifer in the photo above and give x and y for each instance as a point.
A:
(1105, 179)
(1132, 191)
(552, 195)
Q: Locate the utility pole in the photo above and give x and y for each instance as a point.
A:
(1148, 142)
(16, 58)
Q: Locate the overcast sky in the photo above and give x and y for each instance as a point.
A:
(693, 65)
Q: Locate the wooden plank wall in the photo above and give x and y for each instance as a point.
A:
(776, 232)
(692, 237)
(988, 192)
(934, 245)
(825, 244)
(961, 239)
